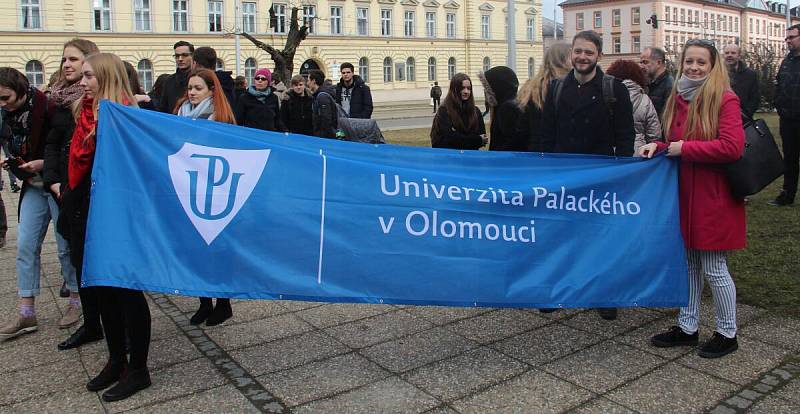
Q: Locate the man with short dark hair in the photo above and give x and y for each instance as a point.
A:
(175, 85)
(654, 64)
(588, 112)
(206, 57)
(787, 102)
(353, 94)
(324, 114)
(436, 95)
(744, 81)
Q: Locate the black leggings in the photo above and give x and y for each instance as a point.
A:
(123, 309)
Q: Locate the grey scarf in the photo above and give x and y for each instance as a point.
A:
(260, 95)
(203, 110)
(687, 88)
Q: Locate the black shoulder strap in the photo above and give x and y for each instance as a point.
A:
(608, 94)
(559, 85)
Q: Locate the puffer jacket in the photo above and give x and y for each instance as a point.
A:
(645, 119)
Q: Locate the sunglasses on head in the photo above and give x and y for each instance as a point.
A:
(700, 42)
(260, 78)
(179, 55)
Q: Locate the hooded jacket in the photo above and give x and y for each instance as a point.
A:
(645, 119)
(360, 98)
(324, 112)
(744, 82)
(500, 90)
(296, 112)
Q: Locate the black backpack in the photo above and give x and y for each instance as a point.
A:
(608, 94)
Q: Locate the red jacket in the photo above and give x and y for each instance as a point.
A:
(711, 218)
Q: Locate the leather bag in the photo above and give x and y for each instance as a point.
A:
(760, 164)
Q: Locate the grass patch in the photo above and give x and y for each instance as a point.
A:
(420, 137)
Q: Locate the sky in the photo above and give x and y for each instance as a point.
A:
(549, 5)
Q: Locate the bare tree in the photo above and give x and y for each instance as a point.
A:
(764, 60)
(284, 59)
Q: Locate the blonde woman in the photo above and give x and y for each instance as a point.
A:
(530, 98)
(104, 77)
(704, 127)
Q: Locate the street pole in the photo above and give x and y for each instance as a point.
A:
(788, 14)
(238, 29)
(511, 36)
(555, 24)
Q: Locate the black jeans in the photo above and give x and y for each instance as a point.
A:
(3, 217)
(790, 134)
(125, 309)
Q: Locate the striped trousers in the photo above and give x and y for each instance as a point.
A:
(713, 266)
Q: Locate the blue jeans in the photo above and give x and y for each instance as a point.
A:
(36, 210)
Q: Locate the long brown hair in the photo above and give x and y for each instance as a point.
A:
(455, 107)
(87, 47)
(112, 82)
(222, 109)
(556, 65)
(703, 119)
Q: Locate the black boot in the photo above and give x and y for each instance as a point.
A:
(132, 382)
(64, 291)
(110, 374)
(222, 312)
(608, 314)
(203, 312)
(82, 336)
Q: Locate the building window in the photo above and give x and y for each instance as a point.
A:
(530, 29)
(579, 21)
(697, 18)
(487, 63)
(309, 14)
(635, 15)
(219, 65)
(250, 68)
(361, 21)
(408, 23)
(214, 16)
(615, 18)
(35, 73)
(485, 26)
(31, 14)
(431, 69)
(180, 16)
(675, 15)
(617, 45)
(531, 68)
(387, 70)
(102, 15)
(141, 15)
(430, 24)
(683, 17)
(736, 22)
(249, 17)
(280, 18)
(145, 71)
(636, 44)
(386, 23)
(336, 20)
(363, 68)
(401, 72)
(666, 12)
(411, 70)
(598, 19)
(451, 68)
(451, 25)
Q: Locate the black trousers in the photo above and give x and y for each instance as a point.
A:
(790, 134)
(435, 104)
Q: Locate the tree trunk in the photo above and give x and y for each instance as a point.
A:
(284, 59)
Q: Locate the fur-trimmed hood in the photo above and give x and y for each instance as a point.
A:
(500, 84)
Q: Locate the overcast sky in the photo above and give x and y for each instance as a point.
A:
(549, 5)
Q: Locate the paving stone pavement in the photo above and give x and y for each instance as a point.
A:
(282, 356)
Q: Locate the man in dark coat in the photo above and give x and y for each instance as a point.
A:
(353, 94)
(324, 114)
(436, 95)
(744, 80)
(206, 57)
(653, 63)
(787, 102)
(586, 120)
(175, 86)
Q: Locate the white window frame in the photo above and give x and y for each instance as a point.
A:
(336, 20)
(430, 24)
(597, 19)
(431, 69)
(103, 13)
(363, 68)
(636, 15)
(616, 17)
(309, 14)
(362, 21)
(450, 25)
(250, 71)
(31, 12)
(386, 22)
(530, 32)
(215, 15)
(35, 75)
(141, 15)
(145, 74)
(579, 23)
(280, 17)
(180, 17)
(486, 64)
(531, 68)
(411, 69)
(486, 27)
(409, 21)
(451, 67)
(616, 45)
(400, 74)
(636, 44)
(250, 17)
(388, 69)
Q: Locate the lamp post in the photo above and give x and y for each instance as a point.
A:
(237, 45)
(511, 36)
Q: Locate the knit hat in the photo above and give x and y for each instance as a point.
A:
(265, 73)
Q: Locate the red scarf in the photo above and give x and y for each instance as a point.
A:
(81, 150)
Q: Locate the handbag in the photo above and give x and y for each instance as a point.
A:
(760, 164)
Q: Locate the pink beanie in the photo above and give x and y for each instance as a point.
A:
(265, 73)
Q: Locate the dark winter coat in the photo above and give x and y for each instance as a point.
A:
(56, 150)
(324, 113)
(174, 89)
(444, 135)
(787, 93)
(360, 98)
(582, 123)
(229, 87)
(659, 91)
(296, 112)
(500, 91)
(744, 81)
(529, 129)
(252, 113)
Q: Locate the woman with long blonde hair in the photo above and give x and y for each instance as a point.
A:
(703, 126)
(530, 98)
(104, 77)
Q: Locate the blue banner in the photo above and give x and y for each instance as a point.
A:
(202, 208)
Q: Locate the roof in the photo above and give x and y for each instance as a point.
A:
(548, 25)
(750, 4)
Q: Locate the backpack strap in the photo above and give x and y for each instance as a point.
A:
(609, 99)
(559, 86)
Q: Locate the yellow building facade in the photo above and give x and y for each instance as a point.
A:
(397, 45)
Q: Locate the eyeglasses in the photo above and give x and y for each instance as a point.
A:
(788, 38)
(260, 78)
(181, 55)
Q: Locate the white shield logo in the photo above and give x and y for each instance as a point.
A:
(213, 184)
